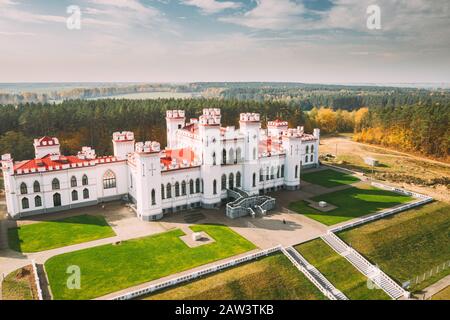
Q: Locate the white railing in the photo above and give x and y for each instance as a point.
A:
(400, 190)
(196, 274)
(36, 279)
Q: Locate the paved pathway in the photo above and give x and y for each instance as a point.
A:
(436, 287)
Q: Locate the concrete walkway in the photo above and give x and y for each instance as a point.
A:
(436, 287)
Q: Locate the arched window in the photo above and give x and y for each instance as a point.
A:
(74, 195)
(214, 186)
(37, 201)
(224, 156)
(197, 185)
(261, 175)
(307, 149)
(306, 159)
(162, 192)
(254, 179)
(278, 172)
(231, 181)
(214, 158)
(312, 158)
(296, 171)
(109, 180)
(312, 148)
(191, 186)
(238, 179)
(169, 191)
(84, 180)
(56, 200)
(36, 186)
(73, 181)
(23, 188)
(272, 173)
(183, 188)
(85, 193)
(231, 155)
(238, 155)
(224, 182)
(55, 184)
(25, 203)
(177, 189)
(203, 186)
(282, 170)
(153, 197)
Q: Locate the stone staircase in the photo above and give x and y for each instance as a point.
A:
(377, 276)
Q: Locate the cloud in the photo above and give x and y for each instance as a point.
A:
(211, 6)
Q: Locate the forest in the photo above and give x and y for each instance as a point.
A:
(418, 128)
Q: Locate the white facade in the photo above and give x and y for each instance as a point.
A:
(202, 160)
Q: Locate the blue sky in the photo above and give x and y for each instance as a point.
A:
(324, 41)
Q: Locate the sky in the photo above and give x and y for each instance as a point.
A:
(311, 41)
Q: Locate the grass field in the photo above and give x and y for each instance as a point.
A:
(58, 233)
(110, 268)
(270, 278)
(442, 295)
(341, 273)
(351, 203)
(408, 244)
(329, 178)
(17, 285)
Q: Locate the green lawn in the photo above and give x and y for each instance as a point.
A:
(407, 244)
(341, 273)
(351, 203)
(329, 178)
(110, 268)
(270, 278)
(58, 233)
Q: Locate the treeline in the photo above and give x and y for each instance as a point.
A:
(418, 128)
(91, 122)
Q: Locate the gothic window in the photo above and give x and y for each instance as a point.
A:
(162, 192)
(169, 191)
(23, 188)
(224, 182)
(55, 184)
(312, 148)
(224, 156)
(282, 170)
(306, 159)
(214, 158)
(25, 203)
(37, 201)
(183, 188)
(296, 171)
(197, 185)
(36, 186)
(84, 180)
(254, 179)
(85, 193)
(153, 197)
(238, 180)
(56, 200)
(231, 181)
(214, 187)
(191, 186)
(272, 173)
(73, 181)
(312, 158)
(307, 149)
(278, 172)
(109, 180)
(267, 173)
(261, 175)
(74, 195)
(177, 189)
(203, 186)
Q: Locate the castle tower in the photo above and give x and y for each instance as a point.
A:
(123, 143)
(12, 204)
(209, 130)
(175, 120)
(291, 140)
(45, 146)
(250, 125)
(148, 181)
(277, 128)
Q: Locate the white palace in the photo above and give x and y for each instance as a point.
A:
(200, 165)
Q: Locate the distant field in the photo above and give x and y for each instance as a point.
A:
(269, 278)
(408, 244)
(58, 233)
(110, 268)
(351, 203)
(341, 273)
(329, 178)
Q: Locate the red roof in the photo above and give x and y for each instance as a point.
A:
(179, 155)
